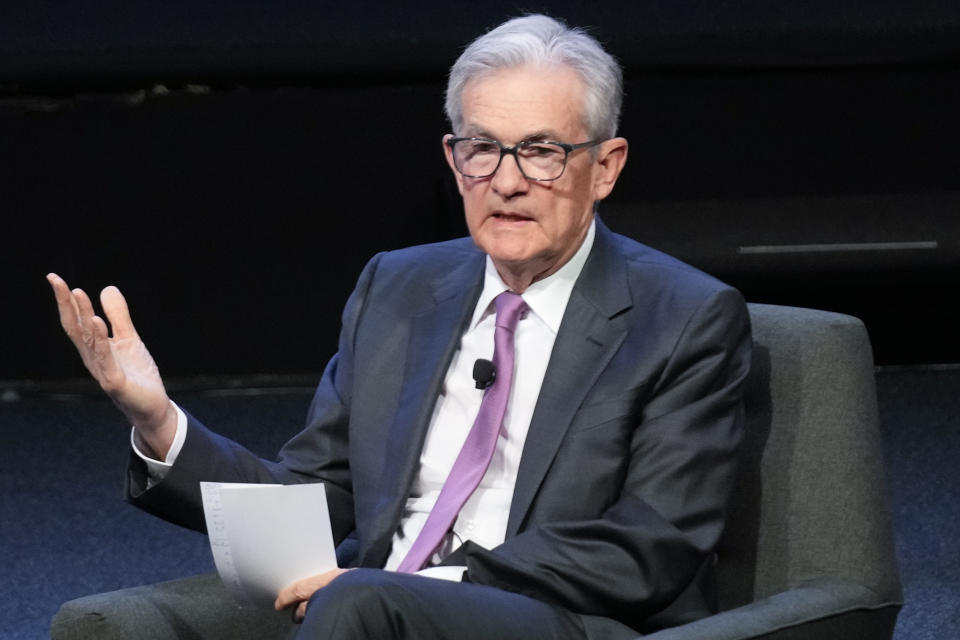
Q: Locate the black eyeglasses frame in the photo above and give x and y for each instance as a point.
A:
(505, 150)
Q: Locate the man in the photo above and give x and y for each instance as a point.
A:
(603, 492)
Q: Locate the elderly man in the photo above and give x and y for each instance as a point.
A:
(576, 492)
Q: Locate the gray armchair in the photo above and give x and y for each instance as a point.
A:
(808, 553)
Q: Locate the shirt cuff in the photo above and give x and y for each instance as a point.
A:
(157, 469)
(445, 572)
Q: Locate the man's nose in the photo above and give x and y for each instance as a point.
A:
(509, 180)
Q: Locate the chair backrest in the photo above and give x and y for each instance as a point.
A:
(810, 501)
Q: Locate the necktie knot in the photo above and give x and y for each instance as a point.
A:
(510, 307)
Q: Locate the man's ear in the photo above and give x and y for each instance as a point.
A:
(448, 154)
(611, 157)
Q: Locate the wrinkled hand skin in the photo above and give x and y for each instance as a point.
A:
(120, 362)
(298, 593)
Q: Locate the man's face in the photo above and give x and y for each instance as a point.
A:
(525, 225)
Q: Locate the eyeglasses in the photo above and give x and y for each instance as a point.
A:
(538, 160)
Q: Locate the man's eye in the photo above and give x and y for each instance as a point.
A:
(483, 147)
(540, 150)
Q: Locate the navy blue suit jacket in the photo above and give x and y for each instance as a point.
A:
(629, 461)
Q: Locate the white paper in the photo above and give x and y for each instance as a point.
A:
(265, 536)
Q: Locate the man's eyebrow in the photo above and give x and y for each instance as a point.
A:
(471, 131)
(539, 136)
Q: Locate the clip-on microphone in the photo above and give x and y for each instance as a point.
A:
(483, 373)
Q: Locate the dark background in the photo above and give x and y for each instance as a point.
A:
(231, 166)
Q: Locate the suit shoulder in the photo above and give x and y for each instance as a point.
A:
(436, 257)
(405, 274)
(673, 299)
(649, 264)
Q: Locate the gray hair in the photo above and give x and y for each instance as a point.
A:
(538, 39)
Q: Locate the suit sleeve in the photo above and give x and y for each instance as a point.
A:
(645, 548)
(317, 454)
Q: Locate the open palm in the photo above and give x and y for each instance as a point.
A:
(120, 363)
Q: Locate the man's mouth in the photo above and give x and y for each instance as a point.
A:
(506, 216)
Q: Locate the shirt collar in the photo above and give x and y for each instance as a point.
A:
(546, 298)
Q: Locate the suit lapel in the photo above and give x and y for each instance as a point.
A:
(591, 332)
(434, 337)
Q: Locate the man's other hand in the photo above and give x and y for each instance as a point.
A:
(120, 363)
(299, 592)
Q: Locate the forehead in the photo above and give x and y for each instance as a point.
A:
(517, 103)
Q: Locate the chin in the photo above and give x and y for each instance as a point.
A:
(510, 247)
(512, 259)
(509, 253)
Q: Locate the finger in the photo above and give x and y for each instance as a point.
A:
(298, 591)
(85, 316)
(109, 373)
(301, 611)
(84, 305)
(66, 304)
(118, 313)
(290, 594)
(303, 589)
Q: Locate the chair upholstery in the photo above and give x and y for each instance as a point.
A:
(808, 551)
(194, 608)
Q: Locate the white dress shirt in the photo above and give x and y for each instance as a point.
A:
(483, 518)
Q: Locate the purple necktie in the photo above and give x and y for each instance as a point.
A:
(477, 451)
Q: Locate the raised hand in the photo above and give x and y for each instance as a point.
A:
(120, 363)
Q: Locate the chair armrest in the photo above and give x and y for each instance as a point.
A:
(822, 609)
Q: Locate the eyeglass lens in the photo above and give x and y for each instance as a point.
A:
(537, 160)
